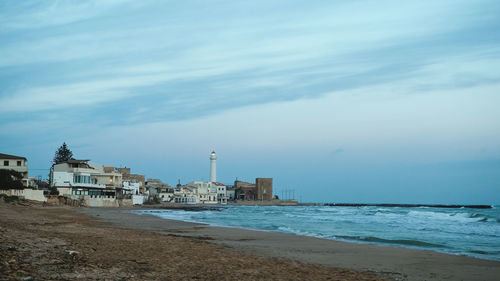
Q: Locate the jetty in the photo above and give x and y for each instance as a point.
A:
(409, 205)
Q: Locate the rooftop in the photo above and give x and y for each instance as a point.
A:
(75, 161)
(7, 156)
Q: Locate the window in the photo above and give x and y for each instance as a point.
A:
(6, 163)
(18, 163)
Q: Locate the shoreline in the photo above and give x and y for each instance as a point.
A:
(394, 262)
(360, 242)
(405, 244)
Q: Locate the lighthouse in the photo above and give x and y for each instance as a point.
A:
(212, 166)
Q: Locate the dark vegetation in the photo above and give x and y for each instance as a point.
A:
(10, 179)
(62, 154)
(9, 199)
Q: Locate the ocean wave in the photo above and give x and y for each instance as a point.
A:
(452, 231)
(407, 242)
(452, 217)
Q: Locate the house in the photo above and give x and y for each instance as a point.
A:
(185, 195)
(131, 187)
(206, 192)
(127, 176)
(209, 192)
(16, 163)
(230, 193)
(79, 177)
(221, 193)
(109, 177)
(156, 186)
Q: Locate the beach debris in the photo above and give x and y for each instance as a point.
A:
(27, 278)
(72, 255)
(2, 229)
(11, 248)
(12, 261)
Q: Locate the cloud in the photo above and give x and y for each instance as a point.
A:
(157, 62)
(18, 15)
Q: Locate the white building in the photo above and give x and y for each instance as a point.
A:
(79, 177)
(205, 192)
(213, 175)
(76, 177)
(131, 187)
(185, 195)
(221, 193)
(209, 192)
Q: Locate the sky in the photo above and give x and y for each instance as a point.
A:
(337, 101)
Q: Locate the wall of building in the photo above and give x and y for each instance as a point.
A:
(64, 190)
(139, 199)
(124, 171)
(166, 196)
(100, 201)
(12, 164)
(264, 188)
(125, 202)
(18, 165)
(109, 179)
(62, 178)
(230, 194)
(28, 194)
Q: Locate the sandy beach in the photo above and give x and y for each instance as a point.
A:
(115, 244)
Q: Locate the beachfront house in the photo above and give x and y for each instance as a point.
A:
(131, 187)
(166, 194)
(185, 195)
(133, 178)
(16, 163)
(221, 193)
(79, 177)
(209, 192)
(109, 177)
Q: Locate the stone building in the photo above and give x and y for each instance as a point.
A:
(245, 190)
(264, 188)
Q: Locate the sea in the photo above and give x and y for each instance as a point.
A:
(463, 231)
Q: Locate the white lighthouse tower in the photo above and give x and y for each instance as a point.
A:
(212, 166)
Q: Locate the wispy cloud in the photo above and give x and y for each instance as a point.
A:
(136, 60)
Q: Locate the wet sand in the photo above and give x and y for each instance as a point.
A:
(396, 263)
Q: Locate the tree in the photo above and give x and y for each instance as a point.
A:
(63, 154)
(10, 179)
(53, 190)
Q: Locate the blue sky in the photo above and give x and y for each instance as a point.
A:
(342, 101)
